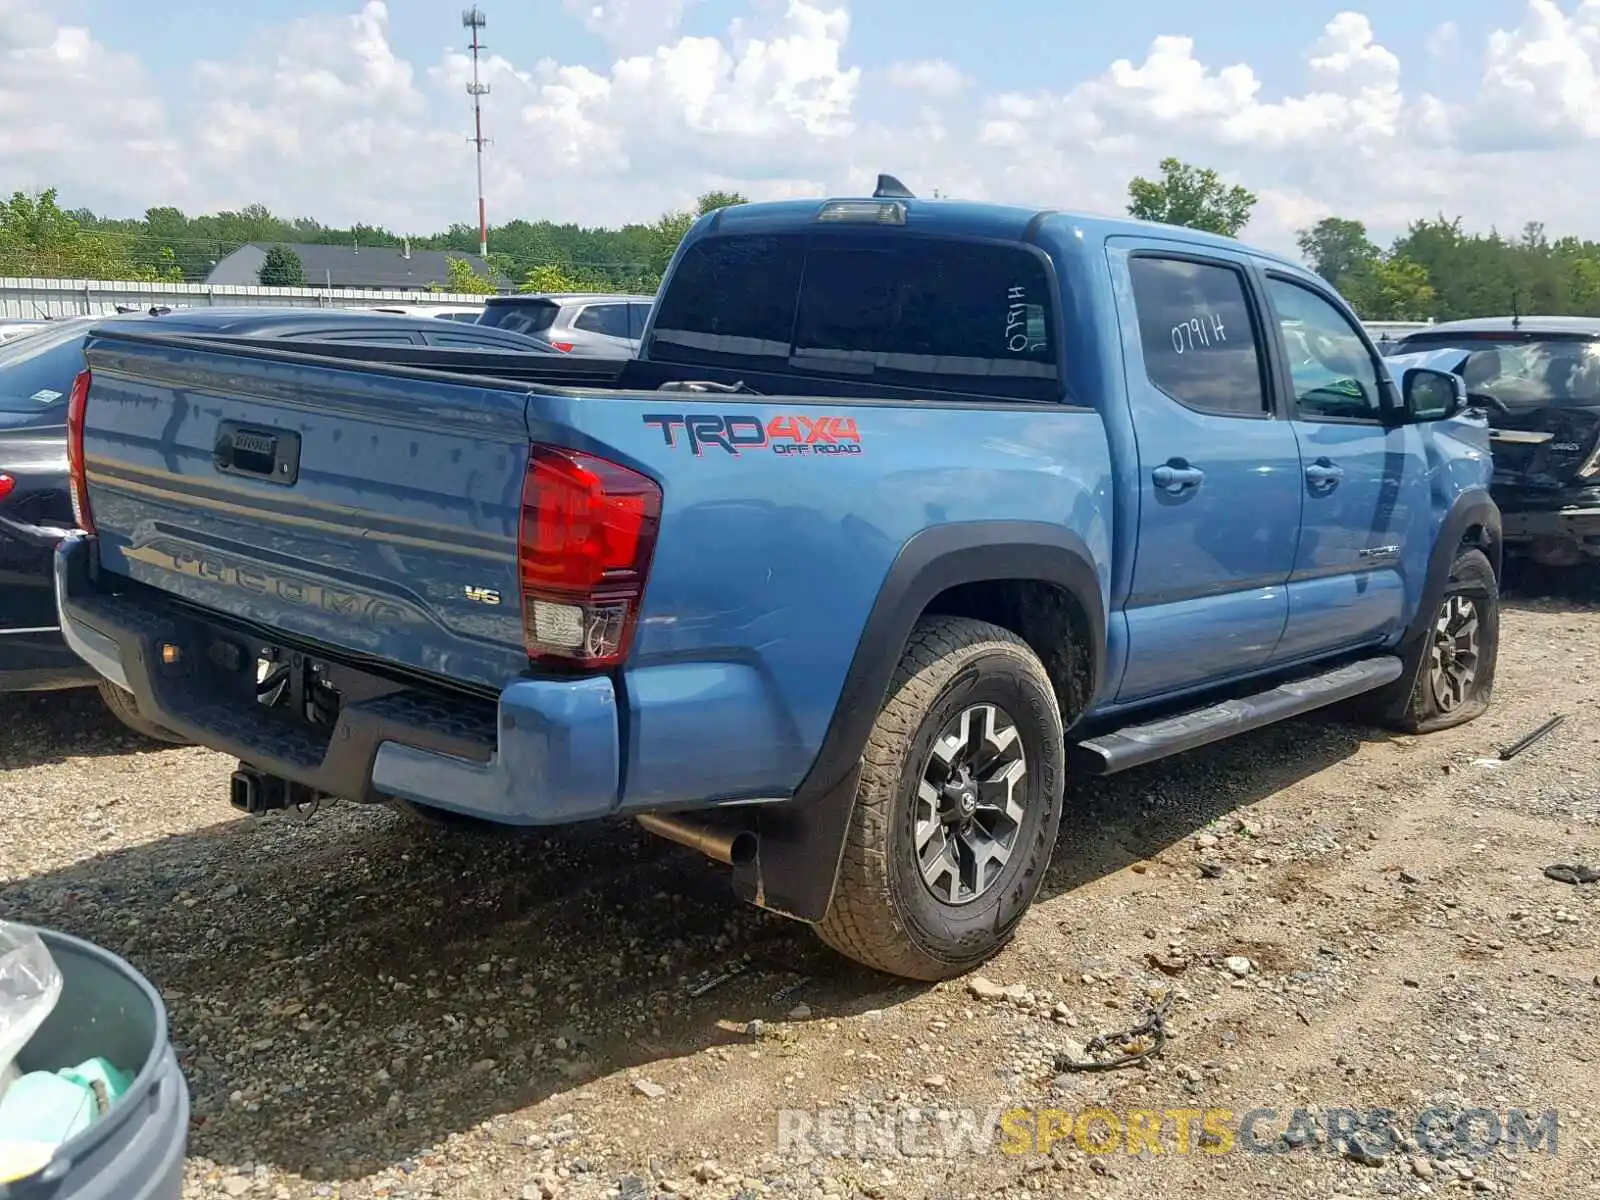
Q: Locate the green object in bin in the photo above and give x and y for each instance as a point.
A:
(49, 1108)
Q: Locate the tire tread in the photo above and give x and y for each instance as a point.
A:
(125, 708)
(861, 922)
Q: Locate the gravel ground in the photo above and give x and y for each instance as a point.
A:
(1344, 920)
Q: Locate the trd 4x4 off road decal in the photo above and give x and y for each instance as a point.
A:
(787, 435)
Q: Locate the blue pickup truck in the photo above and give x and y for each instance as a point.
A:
(907, 511)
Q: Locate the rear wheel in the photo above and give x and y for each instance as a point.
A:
(958, 805)
(125, 708)
(1451, 673)
(443, 818)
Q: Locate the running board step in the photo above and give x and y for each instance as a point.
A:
(1135, 745)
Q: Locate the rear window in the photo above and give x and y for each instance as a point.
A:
(36, 371)
(902, 311)
(524, 317)
(1524, 371)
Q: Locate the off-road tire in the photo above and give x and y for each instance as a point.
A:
(125, 708)
(1411, 704)
(882, 914)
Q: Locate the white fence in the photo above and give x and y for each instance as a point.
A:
(33, 298)
(25, 298)
(1390, 330)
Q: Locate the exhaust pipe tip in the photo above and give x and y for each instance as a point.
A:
(742, 848)
(733, 848)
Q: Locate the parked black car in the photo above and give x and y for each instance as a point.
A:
(36, 376)
(1538, 378)
(345, 325)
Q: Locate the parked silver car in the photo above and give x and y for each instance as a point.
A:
(598, 324)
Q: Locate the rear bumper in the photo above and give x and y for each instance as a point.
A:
(547, 752)
(1572, 523)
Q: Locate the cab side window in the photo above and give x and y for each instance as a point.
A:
(1198, 339)
(1333, 374)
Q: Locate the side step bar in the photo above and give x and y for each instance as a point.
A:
(1136, 745)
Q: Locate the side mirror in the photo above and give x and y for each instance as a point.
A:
(1429, 395)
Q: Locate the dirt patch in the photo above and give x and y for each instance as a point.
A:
(367, 1009)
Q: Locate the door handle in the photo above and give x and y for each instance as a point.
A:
(1323, 475)
(1176, 476)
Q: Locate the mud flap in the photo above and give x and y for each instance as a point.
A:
(800, 847)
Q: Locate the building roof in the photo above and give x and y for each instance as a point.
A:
(347, 266)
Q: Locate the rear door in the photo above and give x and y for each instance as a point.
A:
(1219, 473)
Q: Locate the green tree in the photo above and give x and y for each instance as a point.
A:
(1337, 248)
(669, 229)
(1389, 288)
(1192, 196)
(38, 238)
(281, 268)
(1469, 273)
(554, 277)
(711, 201)
(464, 280)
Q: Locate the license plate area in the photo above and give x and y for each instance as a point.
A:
(271, 455)
(298, 688)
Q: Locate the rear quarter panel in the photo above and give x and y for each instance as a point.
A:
(770, 558)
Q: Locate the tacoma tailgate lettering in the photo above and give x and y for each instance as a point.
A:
(376, 613)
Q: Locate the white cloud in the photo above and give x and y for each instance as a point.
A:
(630, 26)
(931, 76)
(73, 111)
(323, 116)
(1540, 83)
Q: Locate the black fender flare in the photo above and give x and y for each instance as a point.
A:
(801, 841)
(1471, 508)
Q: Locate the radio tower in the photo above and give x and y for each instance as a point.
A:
(474, 20)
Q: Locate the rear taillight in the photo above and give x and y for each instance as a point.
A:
(564, 347)
(78, 476)
(7, 486)
(588, 531)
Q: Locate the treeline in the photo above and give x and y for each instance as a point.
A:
(1436, 269)
(39, 238)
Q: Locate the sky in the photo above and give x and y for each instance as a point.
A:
(606, 111)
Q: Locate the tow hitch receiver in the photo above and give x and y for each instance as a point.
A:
(255, 792)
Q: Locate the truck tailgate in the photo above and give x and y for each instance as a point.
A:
(371, 512)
